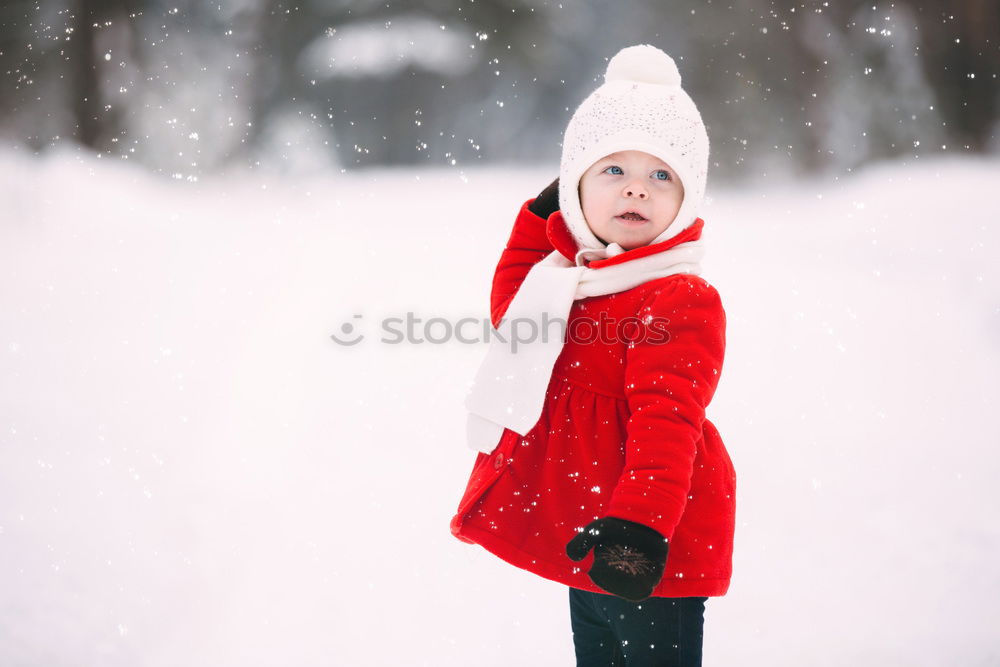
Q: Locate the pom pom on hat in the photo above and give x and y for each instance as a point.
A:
(641, 106)
(645, 64)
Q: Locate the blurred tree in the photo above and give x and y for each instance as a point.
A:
(101, 32)
(28, 72)
(961, 57)
(831, 85)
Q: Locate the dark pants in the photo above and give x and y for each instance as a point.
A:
(611, 632)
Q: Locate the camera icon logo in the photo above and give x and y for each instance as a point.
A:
(348, 330)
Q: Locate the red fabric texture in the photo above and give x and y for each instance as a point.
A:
(623, 431)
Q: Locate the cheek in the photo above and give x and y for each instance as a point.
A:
(590, 200)
(676, 201)
(597, 198)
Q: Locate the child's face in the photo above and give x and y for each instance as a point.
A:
(630, 182)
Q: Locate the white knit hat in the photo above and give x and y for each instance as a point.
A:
(641, 106)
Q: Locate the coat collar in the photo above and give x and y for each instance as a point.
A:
(563, 241)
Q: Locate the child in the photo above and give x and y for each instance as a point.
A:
(596, 441)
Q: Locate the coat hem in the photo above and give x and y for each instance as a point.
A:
(513, 555)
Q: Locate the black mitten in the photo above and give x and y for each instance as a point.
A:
(547, 201)
(629, 558)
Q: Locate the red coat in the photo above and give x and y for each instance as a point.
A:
(622, 433)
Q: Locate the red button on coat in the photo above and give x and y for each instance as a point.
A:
(498, 461)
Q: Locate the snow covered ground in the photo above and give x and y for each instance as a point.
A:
(193, 473)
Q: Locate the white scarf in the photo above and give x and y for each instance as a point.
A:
(509, 388)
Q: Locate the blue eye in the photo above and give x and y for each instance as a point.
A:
(617, 170)
(662, 175)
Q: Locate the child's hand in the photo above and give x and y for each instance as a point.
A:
(629, 558)
(547, 201)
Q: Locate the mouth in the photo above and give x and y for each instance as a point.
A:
(631, 218)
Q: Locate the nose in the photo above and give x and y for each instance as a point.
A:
(635, 190)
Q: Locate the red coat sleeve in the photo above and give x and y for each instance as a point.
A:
(528, 244)
(668, 385)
